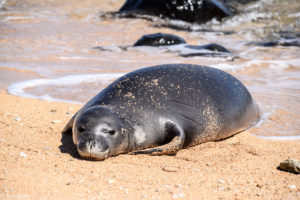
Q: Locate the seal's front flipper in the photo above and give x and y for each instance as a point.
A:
(170, 148)
(69, 126)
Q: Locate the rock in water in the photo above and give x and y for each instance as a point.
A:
(211, 47)
(186, 50)
(159, 39)
(195, 11)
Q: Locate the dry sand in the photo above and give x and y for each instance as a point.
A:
(37, 164)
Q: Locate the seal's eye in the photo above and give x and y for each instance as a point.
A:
(111, 132)
(80, 129)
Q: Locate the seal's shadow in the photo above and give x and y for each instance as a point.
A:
(67, 145)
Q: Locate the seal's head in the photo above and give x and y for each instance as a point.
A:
(99, 133)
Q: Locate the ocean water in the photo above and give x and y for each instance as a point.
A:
(48, 51)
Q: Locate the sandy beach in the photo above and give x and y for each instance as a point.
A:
(36, 163)
(70, 50)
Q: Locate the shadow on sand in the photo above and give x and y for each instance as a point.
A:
(68, 146)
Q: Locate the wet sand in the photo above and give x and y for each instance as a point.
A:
(36, 164)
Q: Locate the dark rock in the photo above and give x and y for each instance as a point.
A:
(290, 165)
(288, 34)
(185, 50)
(281, 42)
(102, 48)
(280, 38)
(215, 47)
(265, 44)
(173, 43)
(195, 11)
(159, 39)
(212, 47)
(290, 42)
(206, 54)
(209, 50)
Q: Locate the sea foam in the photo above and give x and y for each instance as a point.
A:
(280, 137)
(18, 89)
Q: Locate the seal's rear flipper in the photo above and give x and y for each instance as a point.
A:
(170, 148)
(69, 126)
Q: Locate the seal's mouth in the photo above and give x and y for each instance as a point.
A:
(93, 158)
(93, 153)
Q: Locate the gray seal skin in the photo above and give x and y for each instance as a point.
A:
(161, 109)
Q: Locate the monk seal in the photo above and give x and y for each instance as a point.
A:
(161, 109)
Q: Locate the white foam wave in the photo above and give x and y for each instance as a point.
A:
(225, 66)
(18, 89)
(263, 118)
(276, 65)
(182, 48)
(2, 3)
(280, 138)
(238, 20)
(17, 18)
(81, 58)
(294, 15)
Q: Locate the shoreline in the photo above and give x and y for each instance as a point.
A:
(23, 89)
(37, 163)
